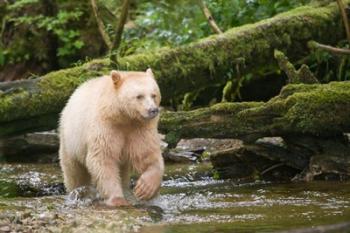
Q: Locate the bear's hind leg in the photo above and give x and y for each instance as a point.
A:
(75, 174)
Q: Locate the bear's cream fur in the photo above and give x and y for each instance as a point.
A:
(108, 127)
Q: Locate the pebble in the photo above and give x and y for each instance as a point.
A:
(5, 229)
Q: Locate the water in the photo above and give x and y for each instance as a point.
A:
(190, 201)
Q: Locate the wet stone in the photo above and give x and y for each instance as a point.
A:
(83, 196)
(348, 136)
(266, 159)
(199, 145)
(35, 147)
(5, 228)
(180, 156)
(49, 138)
(327, 167)
(198, 149)
(276, 141)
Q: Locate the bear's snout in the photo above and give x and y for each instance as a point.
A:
(153, 112)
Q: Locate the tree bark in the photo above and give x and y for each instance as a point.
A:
(182, 69)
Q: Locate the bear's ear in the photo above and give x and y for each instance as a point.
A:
(116, 78)
(150, 72)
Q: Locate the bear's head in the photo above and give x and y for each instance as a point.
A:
(137, 93)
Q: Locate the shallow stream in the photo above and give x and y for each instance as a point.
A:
(31, 199)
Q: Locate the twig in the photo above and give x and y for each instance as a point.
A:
(240, 63)
(209, 17)
(3, 25)
(101, 26)
(303, 75)
(328, 48)
(228, 94)
(345, 18)
(271, 168)
(120, 27)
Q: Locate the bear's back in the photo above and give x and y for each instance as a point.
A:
(77, 117)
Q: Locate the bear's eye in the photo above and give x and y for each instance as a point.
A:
(139, 97)
(153, 96)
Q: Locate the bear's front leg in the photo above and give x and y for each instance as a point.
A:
(106, 173)
(147, 186)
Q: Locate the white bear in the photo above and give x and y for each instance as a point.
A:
(107, 128)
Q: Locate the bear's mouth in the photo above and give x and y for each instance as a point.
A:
(150, 117)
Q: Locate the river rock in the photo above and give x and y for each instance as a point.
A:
(5, 229)
(33, 147)
(49, 138)
(326, 167)
(210, 145)
(266, 159)
(192, 150)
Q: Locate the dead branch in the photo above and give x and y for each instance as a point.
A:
(101, 26)
(328, 48)
(120, 27)
(345, 18)
(209, 17)
(303, 75)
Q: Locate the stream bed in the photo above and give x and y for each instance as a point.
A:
(32, 200)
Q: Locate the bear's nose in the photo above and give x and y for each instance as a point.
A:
(152, 112)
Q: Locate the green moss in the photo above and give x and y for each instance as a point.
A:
(234, 107)
(193, 66)
(51, 92)
(326, 107)
(318, 109)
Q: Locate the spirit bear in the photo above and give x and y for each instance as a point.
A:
(107, 128)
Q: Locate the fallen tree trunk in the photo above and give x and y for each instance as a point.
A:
(321, 110)
(181, 69)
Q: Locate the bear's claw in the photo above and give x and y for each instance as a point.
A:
(144, 191)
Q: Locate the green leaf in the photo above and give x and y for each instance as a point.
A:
(78, 44)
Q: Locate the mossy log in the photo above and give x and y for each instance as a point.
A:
(317, 109)
(321, 110)
(182, 69)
